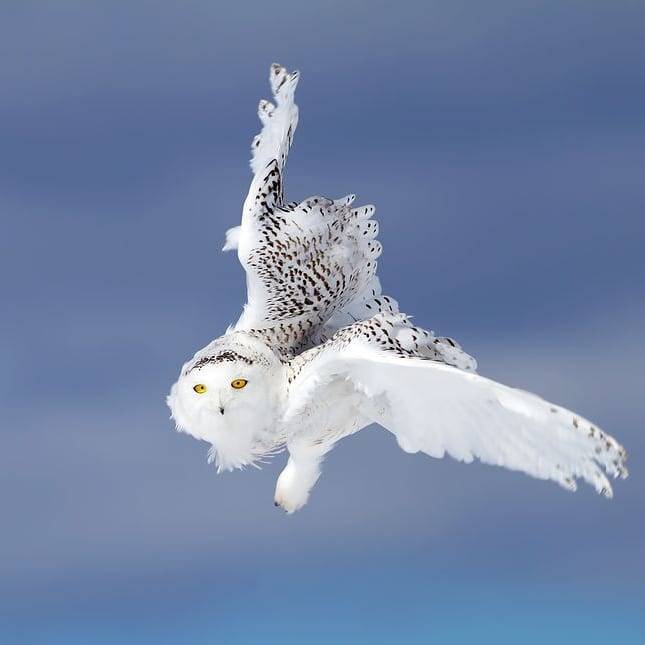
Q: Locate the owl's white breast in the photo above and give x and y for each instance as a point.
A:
(334, 413)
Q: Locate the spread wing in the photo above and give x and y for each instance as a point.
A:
(310, 266)
(412, 385)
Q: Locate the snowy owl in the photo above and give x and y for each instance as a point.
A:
(319, 352)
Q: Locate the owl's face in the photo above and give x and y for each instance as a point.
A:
(232, 404)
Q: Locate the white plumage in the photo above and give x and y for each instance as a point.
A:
(319, 352)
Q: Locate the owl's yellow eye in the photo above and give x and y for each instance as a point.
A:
(200, 388)
(238, 383)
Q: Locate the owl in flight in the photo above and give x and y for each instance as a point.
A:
(319, 352)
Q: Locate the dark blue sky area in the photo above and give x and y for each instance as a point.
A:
(503, 144)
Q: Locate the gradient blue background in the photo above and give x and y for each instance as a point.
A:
(504, 146)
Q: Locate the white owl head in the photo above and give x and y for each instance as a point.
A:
(229, 395)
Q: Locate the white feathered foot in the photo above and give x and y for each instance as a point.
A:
(297, 479)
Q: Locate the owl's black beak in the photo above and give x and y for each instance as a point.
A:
(221, 409)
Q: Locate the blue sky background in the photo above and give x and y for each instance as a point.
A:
(504, 146)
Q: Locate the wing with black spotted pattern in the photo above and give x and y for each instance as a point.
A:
(310, 266)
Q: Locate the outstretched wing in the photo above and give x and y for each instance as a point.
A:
(433, 406)
(310, 266)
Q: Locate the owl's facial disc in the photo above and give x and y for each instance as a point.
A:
(236, 384)
(228, 404)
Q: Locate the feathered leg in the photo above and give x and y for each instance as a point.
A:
(299, 476)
